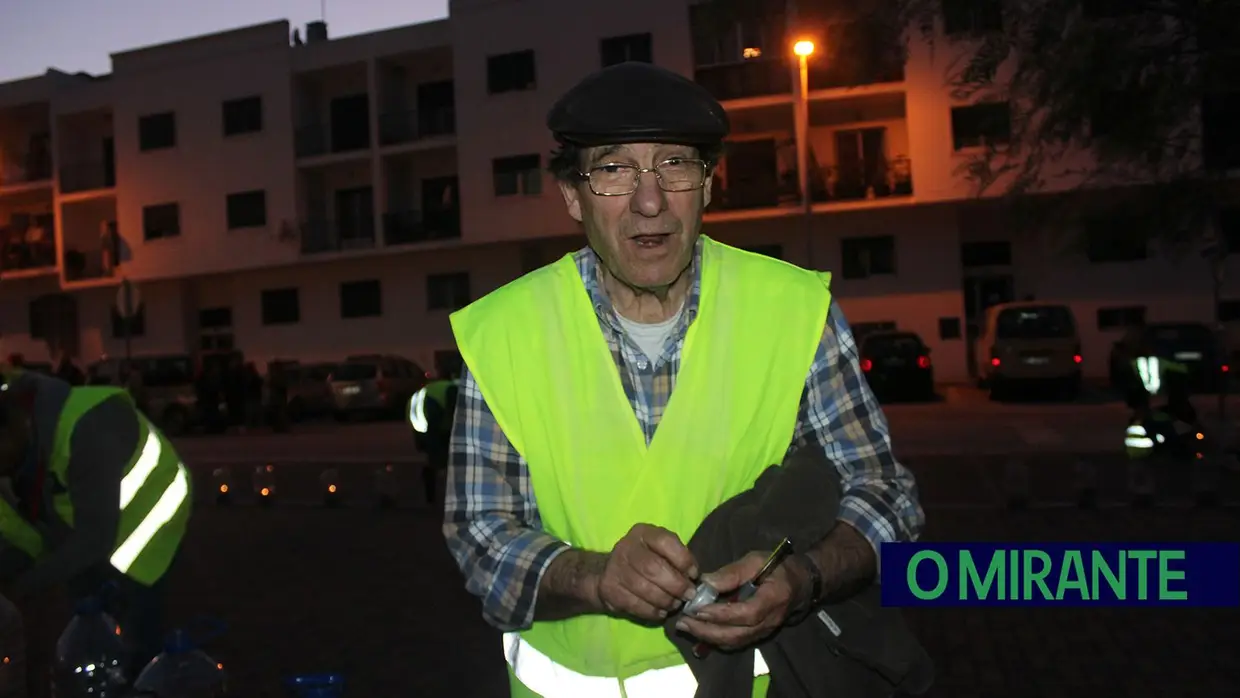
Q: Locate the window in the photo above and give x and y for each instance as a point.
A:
(949, 328)
(1035, 322)
(972, 16)
(1116, 318)
(775, 251)
(361, 299)
(244, 115)
(447, 291)
(519, 174)
(215, 329)
(631, 47)
(135, 327)
(997, 253)
(866, 257)
(985, 124)
(861, 330)
(510, 72)
(157, 131)
(215, 318)
(281, 306)
(1112, 239)
(161, 221)
(247, 209)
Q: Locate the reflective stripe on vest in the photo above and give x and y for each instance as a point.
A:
(1136, 437)
(538, 357)
(164, 510)
(1151, 373)
(417, 411)
(542, 675)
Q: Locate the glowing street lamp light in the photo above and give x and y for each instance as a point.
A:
(803, 49)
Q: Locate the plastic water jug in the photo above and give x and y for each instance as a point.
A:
(91, 659)
(316, 686)
(182, 671)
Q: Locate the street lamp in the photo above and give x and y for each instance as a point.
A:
(803, 50)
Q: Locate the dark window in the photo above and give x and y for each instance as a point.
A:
(215, 318)
(989, 123)
(1114, 239)
(510, 72)
(281, 306)
(157, 131)
(1220, 141)
(972, 16)
(136, 323)
(447, 291)
(997, 253)
(621, 49)
(519, 174)
(244, 115)
(949, 328)
(1229, 229)
(361, 299)
(866, 257)
(1228, 311)
(774, 251)
(161, 221)
(1035, 322)
(1116, 318)
(247, 209)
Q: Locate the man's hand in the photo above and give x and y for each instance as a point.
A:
(648, 575)
(732, 626)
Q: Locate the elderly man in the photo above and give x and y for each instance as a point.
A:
(616, 397)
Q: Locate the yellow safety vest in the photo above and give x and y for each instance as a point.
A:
(155, 495)
(535, 349)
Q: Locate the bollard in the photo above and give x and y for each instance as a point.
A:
(329, 481)
(1205, 479)
(265, 484)
(386, 486)
(1086, 485)
(222, 480)
(1016, 481)
(1141, 482)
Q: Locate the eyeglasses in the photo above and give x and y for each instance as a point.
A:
(616, 179)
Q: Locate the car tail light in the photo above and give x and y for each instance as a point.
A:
(1077, 358)
(923, 362)
(994, 361)
(1226, 368)
(866, 365)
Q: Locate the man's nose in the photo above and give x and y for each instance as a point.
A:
(649, 200)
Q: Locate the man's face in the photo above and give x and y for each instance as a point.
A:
(645, 238)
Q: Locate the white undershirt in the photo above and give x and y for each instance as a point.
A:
(650, 337)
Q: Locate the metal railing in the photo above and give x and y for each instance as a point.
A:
(412, 227)
(415, 124)
(319, 139)
(25, 170)
(320, 235)
(829, 184)
(24, 256)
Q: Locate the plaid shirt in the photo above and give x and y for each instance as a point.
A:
(491, 521)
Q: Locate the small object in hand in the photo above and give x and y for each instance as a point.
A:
(744, 593)
(704, 596)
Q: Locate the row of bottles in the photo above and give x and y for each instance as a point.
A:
(92, 660)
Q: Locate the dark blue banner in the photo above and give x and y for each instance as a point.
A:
(1061, 574)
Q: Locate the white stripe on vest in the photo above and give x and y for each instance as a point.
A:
(165, 508)
(542, 675)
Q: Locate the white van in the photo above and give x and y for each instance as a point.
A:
(1029, 342)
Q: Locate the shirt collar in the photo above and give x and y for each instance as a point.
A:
(591, 275)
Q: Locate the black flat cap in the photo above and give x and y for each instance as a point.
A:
(637, 103)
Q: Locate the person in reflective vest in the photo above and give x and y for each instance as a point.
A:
(99, 495)
(616, 397)
(1156, 377)
(430, 416)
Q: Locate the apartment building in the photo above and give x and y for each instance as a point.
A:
(321, 197)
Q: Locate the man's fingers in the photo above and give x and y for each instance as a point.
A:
(649, 591)
(630, 604)
(744, 614)
(661, 573)
(732, 575)
(723, 636)
(669, 547)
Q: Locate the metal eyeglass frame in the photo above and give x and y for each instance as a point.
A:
(585, 176)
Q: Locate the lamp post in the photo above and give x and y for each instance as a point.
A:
(803, 50)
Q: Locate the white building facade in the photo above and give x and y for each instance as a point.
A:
(335, 197)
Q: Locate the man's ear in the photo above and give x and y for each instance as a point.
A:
(572, 199)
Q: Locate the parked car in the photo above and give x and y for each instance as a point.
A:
(167, 395)
(1030, 343)
(309, 393)
(1191, 343)
(897, 365)
(374, 385)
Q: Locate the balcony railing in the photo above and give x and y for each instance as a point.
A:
(24, 256)
(831, 184)
(320, 139)
(411, 125)
(32, 168)
(86, 177)
(319, 235)
(753, 78)
(412, 227)
(835, 76)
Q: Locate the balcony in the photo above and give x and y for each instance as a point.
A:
(321, 235)
(315, 140)
(332, 110)
(93, 247)
(33, 166)
(407, 126)
(752, 78)
(413, 227)
(862, 180)
(84, 177)
(22, 256)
